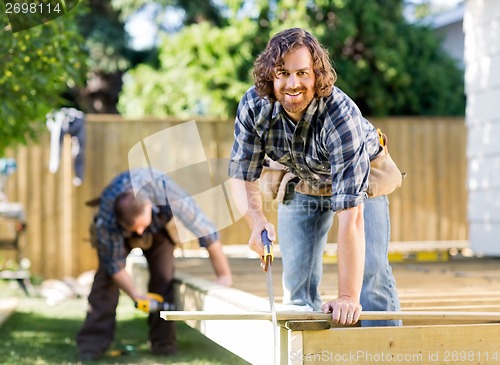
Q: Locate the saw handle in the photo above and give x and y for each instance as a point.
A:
(268, 256)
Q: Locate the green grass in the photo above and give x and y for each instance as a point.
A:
(39, 334)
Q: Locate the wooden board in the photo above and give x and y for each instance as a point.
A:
(460, 297)
(461, 344)
(318, 316)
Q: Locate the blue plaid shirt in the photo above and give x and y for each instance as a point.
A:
(111, 235)
(331, 145)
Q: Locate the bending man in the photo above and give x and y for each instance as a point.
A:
(127, 220)
(296, 116)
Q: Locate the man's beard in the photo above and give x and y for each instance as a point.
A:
(294, 106)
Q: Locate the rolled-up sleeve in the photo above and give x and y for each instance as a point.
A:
(185, 209)
(350, 164)
(247, 153)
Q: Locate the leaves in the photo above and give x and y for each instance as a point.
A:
(389, 67)
(198, 74)
(36, 66)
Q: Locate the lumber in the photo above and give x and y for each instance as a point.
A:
(311, 325)
(440, 345)
(297, 316)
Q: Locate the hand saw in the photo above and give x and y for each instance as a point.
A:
(267, 260)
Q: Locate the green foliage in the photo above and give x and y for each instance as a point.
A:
(106, 43)
(437, 83)
(36, 66)
(200, 73)
(195, 10)
(105, 38)
(386, 65)
(389, 67)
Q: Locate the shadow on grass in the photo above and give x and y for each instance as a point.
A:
(29, 337)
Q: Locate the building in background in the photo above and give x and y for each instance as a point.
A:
(448, 26)
(482, 85)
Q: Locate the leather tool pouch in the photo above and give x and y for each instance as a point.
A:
(143, 242)
(385, 176)
(271, 178)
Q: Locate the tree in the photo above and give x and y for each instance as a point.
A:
(203, 71)
(109, 56)
(389, 67)
(37, 65)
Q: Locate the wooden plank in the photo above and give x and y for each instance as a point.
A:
(34, 211)
(195, 294)
(404, 160)
(396, 149)
(294, 344)
(302, 316)
(409, 246)
(456, 295)
(311, 325)
(65, 264)
(450, 299)
(455, 344)
(460, 224)
(442, 173)
(459, 308)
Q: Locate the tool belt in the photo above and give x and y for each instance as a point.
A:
(143, 242)
(274, 180)
(384, 178)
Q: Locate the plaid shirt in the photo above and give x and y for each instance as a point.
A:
(331, 145)
(111, 235)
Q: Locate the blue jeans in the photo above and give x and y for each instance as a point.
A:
(303, 225)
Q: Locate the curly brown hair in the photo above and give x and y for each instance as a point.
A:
(287, 41)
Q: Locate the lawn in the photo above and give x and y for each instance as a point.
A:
(42, 334)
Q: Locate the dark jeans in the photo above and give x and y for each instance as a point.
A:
(97, 332)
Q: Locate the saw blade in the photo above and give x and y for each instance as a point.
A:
(268, 259)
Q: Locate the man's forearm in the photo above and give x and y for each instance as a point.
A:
(125, 283)
(220, 263)
(351, 252)
(247, 197)
(249, 202)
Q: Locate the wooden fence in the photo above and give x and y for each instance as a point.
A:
(431, 205)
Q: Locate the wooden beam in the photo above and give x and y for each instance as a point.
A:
(451, 344)
(199, 295)
(295, 315)
(311, 325)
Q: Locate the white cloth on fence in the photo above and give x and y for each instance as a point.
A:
(67, 121)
